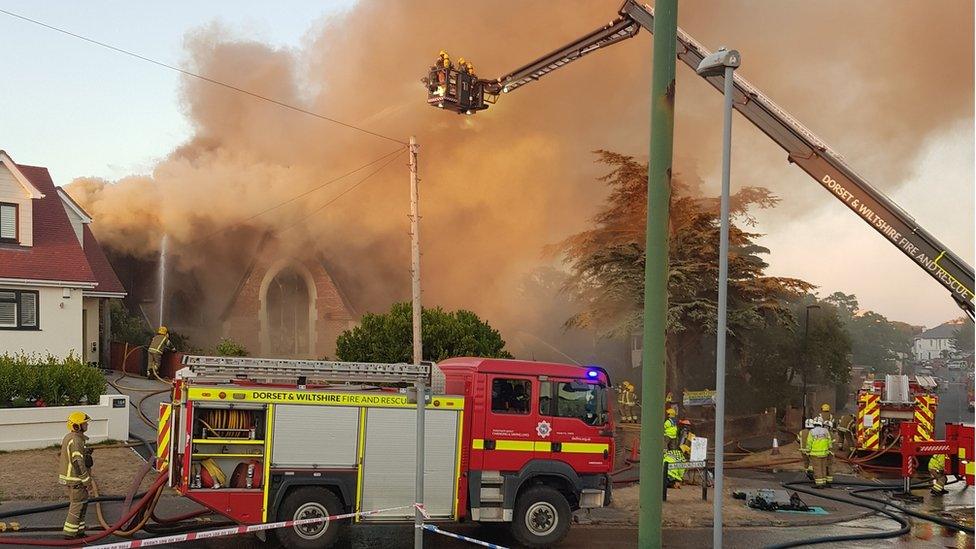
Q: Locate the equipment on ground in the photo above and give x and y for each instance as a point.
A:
(767, 499)
(517, 442)
(465, 94)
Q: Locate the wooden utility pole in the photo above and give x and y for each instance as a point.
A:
(418, 344)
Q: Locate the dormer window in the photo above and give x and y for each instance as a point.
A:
(8, 222)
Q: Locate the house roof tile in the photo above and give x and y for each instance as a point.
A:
(56, 254)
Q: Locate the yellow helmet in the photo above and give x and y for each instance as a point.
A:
(672, 412)
(825, 407)
(76, 420)
(443, 53)
(461, 61)
(163, 330)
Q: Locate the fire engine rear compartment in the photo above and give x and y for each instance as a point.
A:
(366, 453)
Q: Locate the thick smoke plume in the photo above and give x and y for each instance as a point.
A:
(875, 78)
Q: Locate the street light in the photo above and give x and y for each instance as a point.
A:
(722, 62)
(806, 357)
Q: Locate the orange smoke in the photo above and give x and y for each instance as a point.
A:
(873, 77)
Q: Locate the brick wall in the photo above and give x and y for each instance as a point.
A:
(332, 314)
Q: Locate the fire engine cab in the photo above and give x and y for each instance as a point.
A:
(506, 441)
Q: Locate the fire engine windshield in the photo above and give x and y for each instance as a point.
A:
(584, 401)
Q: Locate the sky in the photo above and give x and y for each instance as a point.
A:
(85, 111)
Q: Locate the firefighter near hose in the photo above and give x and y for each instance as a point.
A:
(74, 464)
(160, 343)
(802, 437)
(937, 472)
(820, 446)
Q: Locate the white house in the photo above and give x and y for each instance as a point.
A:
(55, 281)
(934, 342)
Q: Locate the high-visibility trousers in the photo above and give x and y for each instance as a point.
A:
(74, 523)
(938, 480)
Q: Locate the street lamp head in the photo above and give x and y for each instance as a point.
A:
(715, 64)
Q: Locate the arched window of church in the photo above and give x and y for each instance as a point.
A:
(288, 314)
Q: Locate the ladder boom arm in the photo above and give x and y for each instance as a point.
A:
(615, 31)
(803, 147)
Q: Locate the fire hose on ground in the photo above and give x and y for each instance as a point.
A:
(879, 506)
(150, 495)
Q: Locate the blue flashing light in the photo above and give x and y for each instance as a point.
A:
(592, 374)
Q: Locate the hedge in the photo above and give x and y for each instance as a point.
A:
(32, 380)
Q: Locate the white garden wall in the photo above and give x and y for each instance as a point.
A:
(28, 428)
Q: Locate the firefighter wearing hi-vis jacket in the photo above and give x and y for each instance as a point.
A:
(937, 472)
(820, 446)
(74, 463)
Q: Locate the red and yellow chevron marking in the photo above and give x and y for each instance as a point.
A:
(924, 417)
(163, 435)
(868, 430)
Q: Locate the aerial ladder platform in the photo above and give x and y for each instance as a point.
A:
(803, 147)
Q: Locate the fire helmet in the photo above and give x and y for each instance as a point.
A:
(825, 407)
(76, 420)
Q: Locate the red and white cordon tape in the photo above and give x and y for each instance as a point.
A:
(235, 530)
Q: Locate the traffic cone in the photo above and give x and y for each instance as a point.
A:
(775, 451)
(635, 451)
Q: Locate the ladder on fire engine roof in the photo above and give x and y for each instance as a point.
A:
(227, 369)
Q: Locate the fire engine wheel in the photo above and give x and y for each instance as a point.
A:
(306, 503)
(542, 517)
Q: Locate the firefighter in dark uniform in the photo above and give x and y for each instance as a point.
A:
(73, 473)
(158, 345)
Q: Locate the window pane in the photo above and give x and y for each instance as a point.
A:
(28, 309)
(8, 221)
(8, 314)
(510, 396)
(7, 296)
(545, 398)
(580, 400)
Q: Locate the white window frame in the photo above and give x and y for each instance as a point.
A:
(16, 209)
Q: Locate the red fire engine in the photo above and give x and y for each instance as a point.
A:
(882, 406)
(506, 441)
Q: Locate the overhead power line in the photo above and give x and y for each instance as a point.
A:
(200, 76)
(300, 195)
(343, 193)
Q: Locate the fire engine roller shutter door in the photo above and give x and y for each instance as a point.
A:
(390, 461)
(323, 436)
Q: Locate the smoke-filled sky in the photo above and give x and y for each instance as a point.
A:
(889, 84)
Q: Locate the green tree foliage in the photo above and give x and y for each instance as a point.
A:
(126, 327)
(875, 341)
(607, 267)
(962, 338)
(387, 337)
